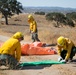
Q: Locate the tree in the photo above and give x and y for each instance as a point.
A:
(40, 13)
(59, 18)
(10, 7)
(71, 15)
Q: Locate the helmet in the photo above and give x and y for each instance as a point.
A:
(18, 35)
(61, 41)
(30, 17)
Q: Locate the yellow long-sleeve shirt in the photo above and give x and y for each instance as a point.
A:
(33, 26)
(68, 46)
(12, 47)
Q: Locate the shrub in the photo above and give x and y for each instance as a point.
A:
(40, 13)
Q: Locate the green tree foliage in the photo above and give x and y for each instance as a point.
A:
(10, 7)
(40, 13)
(71, 15)
(69, 22)
(59, 18)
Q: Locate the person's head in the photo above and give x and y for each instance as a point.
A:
(19, 36)
(61, 41)
(30, 18)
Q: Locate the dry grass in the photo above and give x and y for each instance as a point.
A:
(46, 30)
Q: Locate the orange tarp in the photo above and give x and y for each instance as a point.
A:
(36, 49)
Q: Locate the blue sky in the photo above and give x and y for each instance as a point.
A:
(54, 3)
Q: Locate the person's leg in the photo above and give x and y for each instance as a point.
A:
(9, 61)
(63, 54)
(73, 51)
(36, 37)
(0, 60)
(12, 62)
(3, 59)
(33, 37)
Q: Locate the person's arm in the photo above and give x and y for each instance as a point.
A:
(59, 50)
(18, 52)
(68, 51)
(34, 26)
(59, 53)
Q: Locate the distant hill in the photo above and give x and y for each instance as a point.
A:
(48, 9)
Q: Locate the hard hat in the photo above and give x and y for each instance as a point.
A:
(30, 17)
(18, 35)
(61, 41)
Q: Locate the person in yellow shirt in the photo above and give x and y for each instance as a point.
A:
(33, 28)
(66, 49)
(10, 51)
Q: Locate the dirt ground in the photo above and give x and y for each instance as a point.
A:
(51, 34)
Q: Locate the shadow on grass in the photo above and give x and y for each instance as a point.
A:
(18, 25)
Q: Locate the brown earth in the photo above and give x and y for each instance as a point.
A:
(47, 33)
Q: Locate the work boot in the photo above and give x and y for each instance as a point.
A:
(18, 67)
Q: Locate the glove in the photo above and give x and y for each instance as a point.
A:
(60, 58)
(63, 61)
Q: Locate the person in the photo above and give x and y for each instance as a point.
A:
(33, 28)
(10, 51)
(66, 49)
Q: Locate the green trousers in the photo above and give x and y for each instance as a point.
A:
(64, 52)
(35, 37)
(9, 61)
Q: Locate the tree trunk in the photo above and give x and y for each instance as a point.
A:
(6, 20)
(57, 24)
